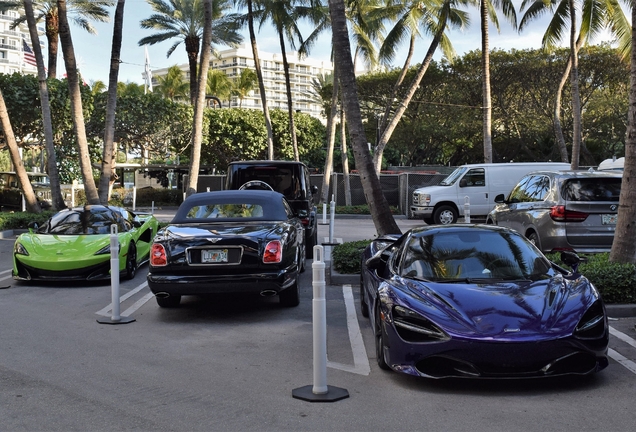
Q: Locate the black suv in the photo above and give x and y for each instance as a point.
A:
(287, 177)
(11, 191)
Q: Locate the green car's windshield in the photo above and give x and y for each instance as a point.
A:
(82, 221)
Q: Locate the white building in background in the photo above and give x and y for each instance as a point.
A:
(16, 54)
(302, 73)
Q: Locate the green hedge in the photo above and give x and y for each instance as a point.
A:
(20, 220)
(616, 282)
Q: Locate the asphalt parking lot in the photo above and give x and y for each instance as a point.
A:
(232, 363)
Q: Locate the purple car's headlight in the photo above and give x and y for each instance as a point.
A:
(592, 324)
(19, 249)
(413, 327)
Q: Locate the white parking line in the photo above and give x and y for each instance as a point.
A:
(360, 358)
(622, 336)
(5, 271)
(630, 365)
(127, 312)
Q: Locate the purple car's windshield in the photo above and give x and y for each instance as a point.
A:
(472, 254)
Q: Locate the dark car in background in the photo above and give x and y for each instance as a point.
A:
(232, 241)
(563, 210)
(289, 178)
(11, 191)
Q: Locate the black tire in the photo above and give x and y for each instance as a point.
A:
(131, 261)
(364, 307)
(534, 239)
(311, 241)
(290, 297)
(301, 263)
(445, 215)
(380, 344)
(428, 220)
(169, 302)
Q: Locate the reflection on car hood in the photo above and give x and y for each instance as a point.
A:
(514, 310)
(71, 246)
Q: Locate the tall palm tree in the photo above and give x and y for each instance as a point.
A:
(284, 16)
(595, 16)
(45, 106)
(199, 105)
(244, 84)
(183, 20)
(380, 211)
(80, 13)
(172, 85)
(218, 84)
(109, 153)
(75, 98)
(624, 245)
(249, 18)
(487, 10)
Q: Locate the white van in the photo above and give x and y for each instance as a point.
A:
(477, 183)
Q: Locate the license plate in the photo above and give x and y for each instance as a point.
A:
(214, 256)
(609, 219)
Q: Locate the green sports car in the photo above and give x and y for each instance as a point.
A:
(74, 244)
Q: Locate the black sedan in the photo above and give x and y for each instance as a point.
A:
(471, 301)
(233, 241)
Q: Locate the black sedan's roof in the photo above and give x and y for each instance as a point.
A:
(271, 203)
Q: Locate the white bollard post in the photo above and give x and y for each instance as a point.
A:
(134, 191)
(324, 213)
(152, 207)
(466, 209)
(115, 317)
(319, 391)
(332, 209)
(319, 308)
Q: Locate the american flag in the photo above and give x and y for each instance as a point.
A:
(29, 57)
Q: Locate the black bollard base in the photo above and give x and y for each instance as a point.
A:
(333, 394)
(121, 320)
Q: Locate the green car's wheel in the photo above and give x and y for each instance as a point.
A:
(169, 302)
(131, 262)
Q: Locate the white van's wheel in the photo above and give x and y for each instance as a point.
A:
(445, 215)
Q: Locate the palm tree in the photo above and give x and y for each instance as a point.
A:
(199, 106)
(80, 12)
(595, 16)
(380, 211)
(624, 245)
(244, 84)
(487, 9)
(171, 85)
(284, 16)
(29, 196)
(56, 191)
(75, 98)
(249, 17)
(183, 20)
(218, 84)
(109, 153)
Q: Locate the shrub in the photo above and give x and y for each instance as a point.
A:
(21, 220)
(346, 256)
(358, 209)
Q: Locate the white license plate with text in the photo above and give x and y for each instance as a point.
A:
(609, 219)
(214, 256)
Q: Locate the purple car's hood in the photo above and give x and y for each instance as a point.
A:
(516, 310)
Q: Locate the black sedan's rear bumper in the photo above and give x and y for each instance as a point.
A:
(262, 282)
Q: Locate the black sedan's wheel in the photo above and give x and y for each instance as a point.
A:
(364, 307)
(131, 261)
(169, 302)
(445, 215)
(290, 297)
(380, 342)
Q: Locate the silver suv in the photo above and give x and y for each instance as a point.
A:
(563, 210)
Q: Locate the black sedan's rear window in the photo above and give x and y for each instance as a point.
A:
(225, 211)
(592, 189)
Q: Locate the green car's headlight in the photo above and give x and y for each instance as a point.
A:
(19, 249)
(106, 250)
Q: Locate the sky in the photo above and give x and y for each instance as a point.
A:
(93, 51)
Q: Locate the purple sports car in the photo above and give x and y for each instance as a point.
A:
(479, 301)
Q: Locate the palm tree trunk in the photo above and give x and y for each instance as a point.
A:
(624, 246)
(290, 108)
(51, 159)
(29, 196)
(75, 97)
(331, 138)
(345, 158)
(109, 154)
(261, 81)
(199, 106)
(485, 64)
(380, 210)
(52, 26)
(576, 97)
(192, 50)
